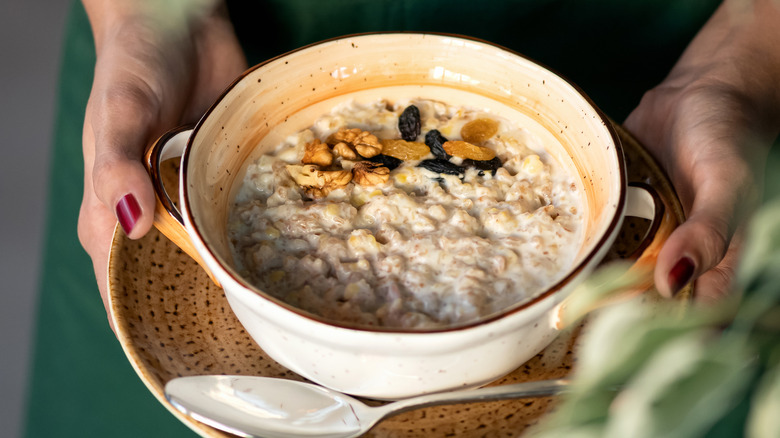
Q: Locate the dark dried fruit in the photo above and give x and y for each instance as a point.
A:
(409, 123)
(489, 166)
(385, 160)
(436, 141)
(369, 174)
(441, 166)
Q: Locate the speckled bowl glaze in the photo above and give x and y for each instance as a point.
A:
(286, 94)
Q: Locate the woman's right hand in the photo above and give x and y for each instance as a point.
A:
(159, 65)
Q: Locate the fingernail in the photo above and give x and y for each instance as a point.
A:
(681, 274)
(127, 212)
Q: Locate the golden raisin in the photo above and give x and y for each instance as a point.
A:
(469, 151)
(479, 130)
(405, 150)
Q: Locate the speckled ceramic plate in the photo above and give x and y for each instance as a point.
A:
(173, 321)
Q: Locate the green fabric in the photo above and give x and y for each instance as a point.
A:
(613, 49)
(81, 383)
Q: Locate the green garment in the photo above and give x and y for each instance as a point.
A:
(613, 49)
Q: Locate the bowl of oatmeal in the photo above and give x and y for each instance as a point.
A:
(372, 216)
(397, 214)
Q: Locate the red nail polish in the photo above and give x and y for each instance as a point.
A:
(681, 274)
(128, 212)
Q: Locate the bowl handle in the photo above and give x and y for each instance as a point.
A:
(643, 201)
(167, 217)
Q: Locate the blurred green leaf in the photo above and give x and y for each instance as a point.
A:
(624, 336)
(618, 346)
(732, 424)
(764, 419)
(606, 281)
(761, 254)
(594, 431)
(685, 387)
(646, 372)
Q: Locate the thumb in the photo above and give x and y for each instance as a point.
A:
(701, 242)
(123, 121)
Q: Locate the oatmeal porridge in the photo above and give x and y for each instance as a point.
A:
(407, 214)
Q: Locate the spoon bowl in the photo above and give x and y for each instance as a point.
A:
(251, 406)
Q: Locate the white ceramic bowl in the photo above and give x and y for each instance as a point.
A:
(285, 94)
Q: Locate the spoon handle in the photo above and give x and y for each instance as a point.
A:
(537, 388)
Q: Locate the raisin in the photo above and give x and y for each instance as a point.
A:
(466, 150)
(441, 166)
(483, 166)
(386, 161)
(479, 130)
(404, 150)
(409, 123)
(435, 142)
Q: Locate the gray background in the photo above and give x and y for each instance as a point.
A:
(30, 45)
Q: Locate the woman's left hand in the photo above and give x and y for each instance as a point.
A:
(710, 124)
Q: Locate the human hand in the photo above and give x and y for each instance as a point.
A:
(158, 66)
(710, 124)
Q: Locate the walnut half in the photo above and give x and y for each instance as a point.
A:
(318, 183)
(348, 141)
(317, 152)
(367, 173)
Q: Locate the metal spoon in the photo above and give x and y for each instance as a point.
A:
(277, 408)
